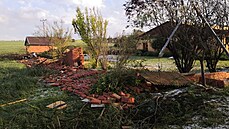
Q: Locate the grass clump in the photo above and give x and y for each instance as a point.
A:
(16, 81)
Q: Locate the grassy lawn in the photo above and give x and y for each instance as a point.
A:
(12, 47)
(18, 82)
(166, 64)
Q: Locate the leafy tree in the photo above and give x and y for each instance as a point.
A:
(191, 39)
(157, 43)
(92, 28)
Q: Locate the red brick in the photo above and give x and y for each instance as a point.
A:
(74, 56)
(102, 98)
(95, 101)
(37, 49)
(114, 95)
(127, 100)
(106, 102)
(122, 93)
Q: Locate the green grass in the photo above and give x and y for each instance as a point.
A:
(166, 64)
(17, 81)
(12, 47)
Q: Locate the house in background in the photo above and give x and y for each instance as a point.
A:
(38, 44)
(147, 38)
(166, 28)
(145, 45)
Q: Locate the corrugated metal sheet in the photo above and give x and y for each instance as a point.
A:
(38, 41)
(165, 78)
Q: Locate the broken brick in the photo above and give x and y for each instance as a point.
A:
(127, 100)
(64, 88)
(114, 95)
(102, 98)
(122, 93)
(82, 95)
(95, 101)
(106, 101)
(70, 89)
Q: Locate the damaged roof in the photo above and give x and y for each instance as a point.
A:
(166, 28)
(165, 78)
(38, 41)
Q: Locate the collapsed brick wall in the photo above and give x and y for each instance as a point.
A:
(74, 57)
(218, 79)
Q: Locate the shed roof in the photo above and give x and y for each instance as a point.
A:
(38, 41)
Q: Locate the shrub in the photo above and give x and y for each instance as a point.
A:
(116, 80)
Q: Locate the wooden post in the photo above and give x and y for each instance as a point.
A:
(203, 81)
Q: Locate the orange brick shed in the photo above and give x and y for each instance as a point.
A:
(38, 44)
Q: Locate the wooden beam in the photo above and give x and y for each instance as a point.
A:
(170, 37)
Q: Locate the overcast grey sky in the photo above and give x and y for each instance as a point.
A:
(19, 18)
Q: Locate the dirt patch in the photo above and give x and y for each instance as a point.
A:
(12, 56)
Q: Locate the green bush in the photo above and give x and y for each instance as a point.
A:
(224, 57)
(115, 80)
(46, 54)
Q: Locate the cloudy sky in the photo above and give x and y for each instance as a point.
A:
(19, 18)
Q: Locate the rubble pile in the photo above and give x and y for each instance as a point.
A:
(78, 81)
(217, 79)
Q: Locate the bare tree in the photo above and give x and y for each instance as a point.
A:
(58, 35)
(126, 47)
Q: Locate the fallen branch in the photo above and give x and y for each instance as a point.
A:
(101, 114)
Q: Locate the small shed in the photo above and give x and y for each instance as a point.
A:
(38, 44)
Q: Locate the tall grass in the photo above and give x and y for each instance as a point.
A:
(16, 81)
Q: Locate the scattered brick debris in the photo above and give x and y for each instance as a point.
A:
(218, 79)
(35, 61)
(78, 81)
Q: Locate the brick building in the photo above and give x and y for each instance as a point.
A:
(38, 44)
